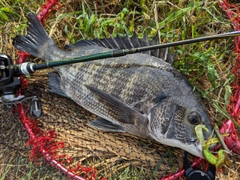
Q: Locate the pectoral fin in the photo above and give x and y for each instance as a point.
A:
(105, 125)
(117, 109)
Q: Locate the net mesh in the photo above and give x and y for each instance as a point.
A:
(63, 129)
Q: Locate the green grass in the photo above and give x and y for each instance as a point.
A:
(194, 19)
(206, 61)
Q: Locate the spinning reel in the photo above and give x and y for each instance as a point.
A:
(10, 83)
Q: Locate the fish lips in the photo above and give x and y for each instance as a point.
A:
(197, 150)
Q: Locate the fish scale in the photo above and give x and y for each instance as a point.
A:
(121, 78)
(130, 95)
(140, 93)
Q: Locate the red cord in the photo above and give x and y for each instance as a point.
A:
(47, 8)
(43, 142)
(232, 141)
(233, 109)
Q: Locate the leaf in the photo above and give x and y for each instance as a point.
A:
(228, 92)
(212, 75)
(123, 13)
(7, 9)
(3, 15)
(173, 16)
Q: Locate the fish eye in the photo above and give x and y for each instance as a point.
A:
(194, 118)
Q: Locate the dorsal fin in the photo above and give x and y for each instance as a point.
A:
(125, 42)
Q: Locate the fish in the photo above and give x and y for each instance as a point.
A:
(141, 94)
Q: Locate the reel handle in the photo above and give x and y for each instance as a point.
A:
(8, 83)
(6, 74)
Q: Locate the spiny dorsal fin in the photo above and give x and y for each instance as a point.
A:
(125, 42)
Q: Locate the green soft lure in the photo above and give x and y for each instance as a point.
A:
(208, 155)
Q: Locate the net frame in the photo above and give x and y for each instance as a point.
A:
(236, 102)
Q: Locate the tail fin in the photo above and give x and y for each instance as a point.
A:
(37, 41)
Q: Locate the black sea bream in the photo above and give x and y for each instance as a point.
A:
(139, 93)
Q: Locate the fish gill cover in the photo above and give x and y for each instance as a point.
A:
(115, 155)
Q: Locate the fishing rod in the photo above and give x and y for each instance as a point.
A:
(27, 68)
(10, 73)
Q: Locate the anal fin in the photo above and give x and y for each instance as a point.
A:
(106, 125)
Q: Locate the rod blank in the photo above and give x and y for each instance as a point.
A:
(122, 52)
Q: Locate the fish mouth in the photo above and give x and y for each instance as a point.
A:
(198, 150)
(194, 148)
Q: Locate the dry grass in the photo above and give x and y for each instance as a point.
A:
(116, 156)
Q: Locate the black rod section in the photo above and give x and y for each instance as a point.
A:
(189, 41)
